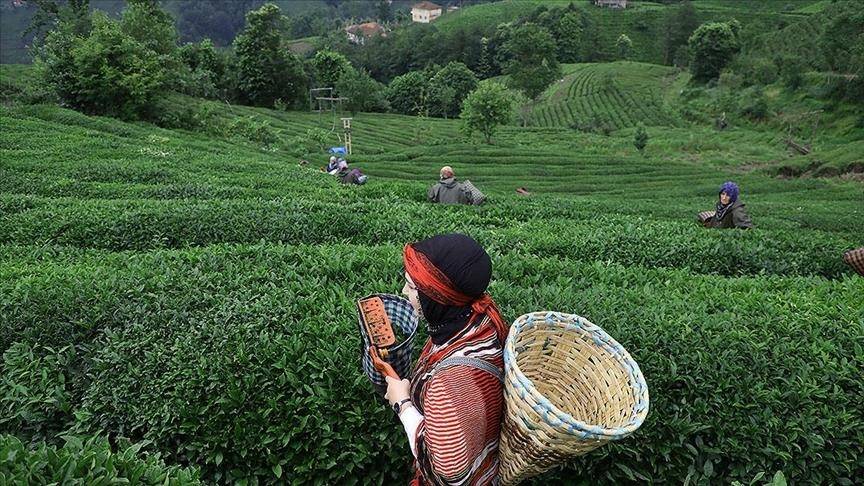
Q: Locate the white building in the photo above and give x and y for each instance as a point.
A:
(611, 3)
(425, 12)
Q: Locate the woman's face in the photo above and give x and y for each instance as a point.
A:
(410, 293)
(724, 198)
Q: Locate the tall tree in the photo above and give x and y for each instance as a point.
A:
(624, 47)
(486, 64)
(147, 23)
(267, 69)
(218, 20)
(842, 41)
(533, 66)
(712, 45)
(485, 108)
(329, 67)
(363, 92)
(677, 29)
(590, 42)
(105, 72)
(568, 33)
(75, 14)
(498, 46)
(383, 10)
(407, 94)
(455, 77)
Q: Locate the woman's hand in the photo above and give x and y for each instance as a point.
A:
(397, 390)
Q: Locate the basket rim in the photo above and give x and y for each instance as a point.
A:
(408, 341)
(545, 408)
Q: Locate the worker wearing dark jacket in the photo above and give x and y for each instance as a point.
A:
(349, 176)
(448, 190)
(730, 211)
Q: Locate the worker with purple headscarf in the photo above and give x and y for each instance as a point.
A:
(730, 211)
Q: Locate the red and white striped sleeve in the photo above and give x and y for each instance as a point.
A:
(461, 419)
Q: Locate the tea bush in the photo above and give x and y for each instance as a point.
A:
(147, 224)
(194, 294)
(240, 359)
(35, 398)
(86, 461)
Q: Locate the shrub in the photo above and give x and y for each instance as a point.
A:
(363, 92)
(86, 460)
(255, 130)
(485, 108)
(755, 106)
(231, 358)
(107, 72)
(169, 112)
(730, 80)
(597, 123)
(640, 138)
(35, 397)
(712, 45)
(407, 94)
(314, 141)
(267, 69)
(760, 71)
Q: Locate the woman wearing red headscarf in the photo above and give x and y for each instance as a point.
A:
(453, 405)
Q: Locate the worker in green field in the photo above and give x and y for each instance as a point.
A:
(448, 190)
(729, 212)
(347, 175)
(332, 166)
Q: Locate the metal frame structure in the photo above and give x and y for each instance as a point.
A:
(333, 101)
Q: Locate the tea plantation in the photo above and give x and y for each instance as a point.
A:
(189, 294)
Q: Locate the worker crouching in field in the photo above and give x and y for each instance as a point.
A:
(729, 212)
(349, 176)
(332, 166)
(452, 407)
(448, 190)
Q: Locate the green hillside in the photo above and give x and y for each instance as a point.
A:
(623, 93)
(178, 287)
(642, 21)
(194, 273)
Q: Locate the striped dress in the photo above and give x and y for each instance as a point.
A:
(462, 408)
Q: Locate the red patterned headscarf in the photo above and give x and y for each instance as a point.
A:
(458, 280)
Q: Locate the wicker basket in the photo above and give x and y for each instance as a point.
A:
(569, 388)
(855, 259)
(403, 317)
(477, 197)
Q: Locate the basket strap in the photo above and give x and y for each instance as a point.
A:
(468, 361)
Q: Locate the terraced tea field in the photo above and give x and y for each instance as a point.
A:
(622, 93)
(194, 292)
(642, 21)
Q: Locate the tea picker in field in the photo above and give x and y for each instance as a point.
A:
(729, 211)
(448, 190)
(349, 176)
(452, 408)
(332, 166)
